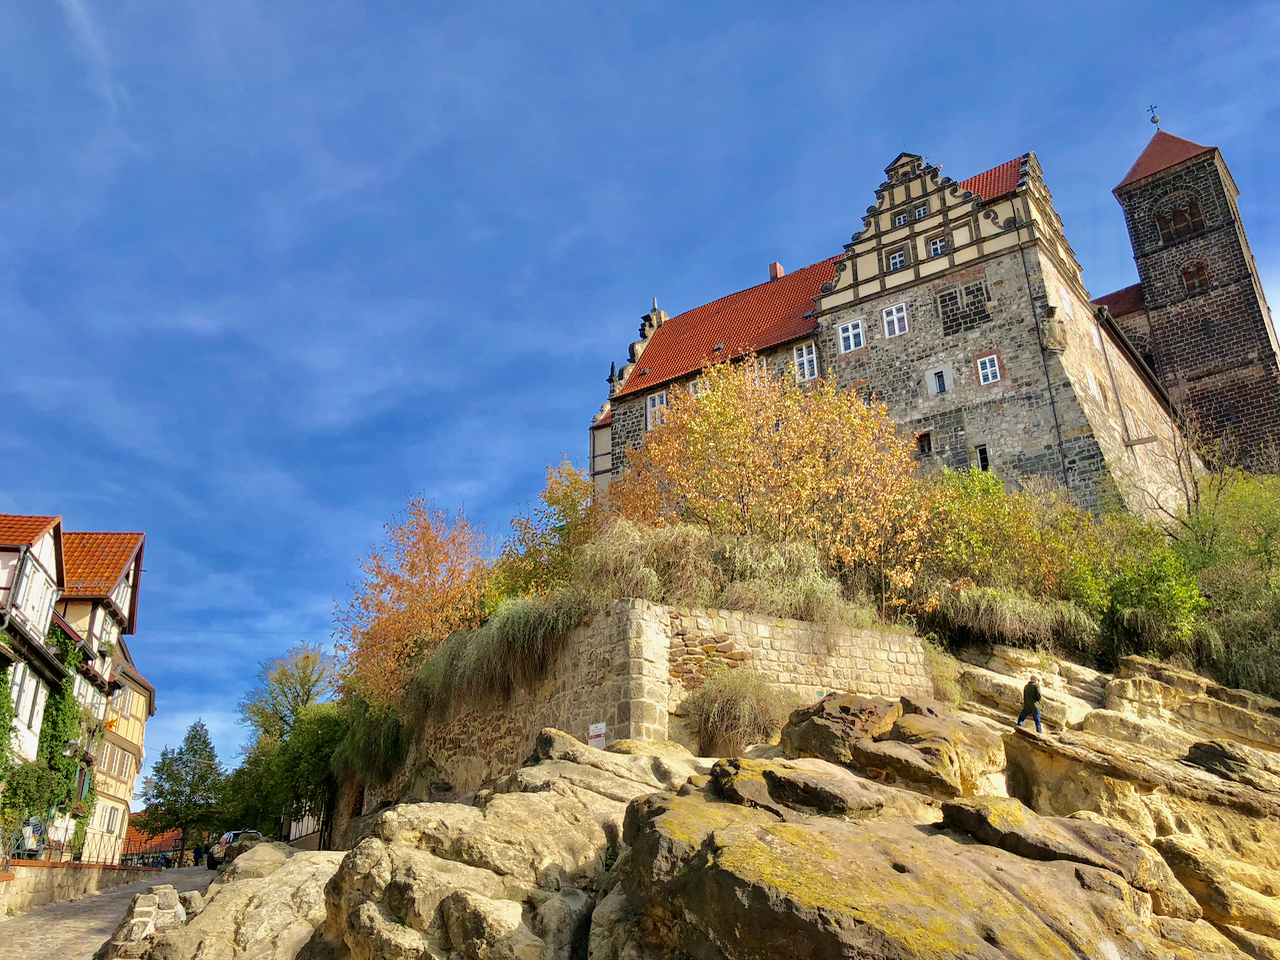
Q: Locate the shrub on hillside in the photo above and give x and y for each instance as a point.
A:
(735, 708)
(1152, 611)
(772, 460)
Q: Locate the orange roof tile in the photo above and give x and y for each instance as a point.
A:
(1123, 302)
(19, 531)
(997, 181)
(1164, 151)
(753, 319)
(95, 562)
(138, 838)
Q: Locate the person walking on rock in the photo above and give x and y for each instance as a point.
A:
(1031, 703)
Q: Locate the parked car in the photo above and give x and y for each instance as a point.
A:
(218, 851)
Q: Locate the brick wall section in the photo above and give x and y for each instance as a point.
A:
(1215, 350)
(627, 667)
(37, 883)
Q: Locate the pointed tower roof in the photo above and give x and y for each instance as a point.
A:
(1164, 151)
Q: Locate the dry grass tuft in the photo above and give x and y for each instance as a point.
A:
(735, 708)
(985, 614)
(512, 650)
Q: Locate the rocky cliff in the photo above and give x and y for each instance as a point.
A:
(1145, 822)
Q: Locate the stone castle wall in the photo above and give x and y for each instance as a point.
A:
(631, 667)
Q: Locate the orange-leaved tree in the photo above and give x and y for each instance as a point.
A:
(424, 582)
(767, 457)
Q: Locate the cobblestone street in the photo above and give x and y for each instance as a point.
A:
(71, 931)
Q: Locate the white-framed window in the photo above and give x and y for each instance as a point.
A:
(922, 211)
(939, 382)
(695, 387)
(1097, 337)
(1066, 301)
(984, 461)
(806, 359)
(901, 220)
(897, 259)
(989, 368)
(851, 336)
(1093, 383)
(655, 410)
(895, 320)
(937, 246)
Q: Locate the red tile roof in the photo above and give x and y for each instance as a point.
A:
(753, 319)
(1123, 302)
(19, 531)
(140, 841)
(95, 562)
(1164, 151)
(997, 181)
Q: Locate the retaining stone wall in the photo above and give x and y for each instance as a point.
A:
(36, 883)
(630, 667)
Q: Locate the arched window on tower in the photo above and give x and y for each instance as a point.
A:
(1180, 218)
(1195, 277)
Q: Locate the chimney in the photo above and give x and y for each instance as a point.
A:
(776, 271)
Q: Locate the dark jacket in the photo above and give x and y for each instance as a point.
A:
(1031, 696)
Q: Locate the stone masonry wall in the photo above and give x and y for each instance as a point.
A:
(806, 659)
(628, 667)
(34, 883)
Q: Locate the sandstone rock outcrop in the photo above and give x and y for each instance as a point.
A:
(911, 741)
(1149, 827)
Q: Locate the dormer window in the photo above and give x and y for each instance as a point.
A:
(897, 259)
(901, 220)
(922, 211)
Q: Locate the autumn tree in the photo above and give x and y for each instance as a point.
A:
(769, 458)
(426, 580)
(538, 557)
(285, 686)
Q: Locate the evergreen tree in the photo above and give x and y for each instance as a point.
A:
(188, 783)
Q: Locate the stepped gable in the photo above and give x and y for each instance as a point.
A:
(1122, 302)
(767, 314)
(1164, 151)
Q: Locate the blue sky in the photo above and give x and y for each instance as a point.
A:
(268, 268)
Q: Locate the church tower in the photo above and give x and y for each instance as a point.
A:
(1198, 315)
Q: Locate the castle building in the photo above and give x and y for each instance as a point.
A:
(1198, 314)
(961, 306)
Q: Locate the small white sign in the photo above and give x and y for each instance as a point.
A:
(595, 735)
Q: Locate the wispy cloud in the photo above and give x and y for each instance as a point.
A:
(99, 59)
